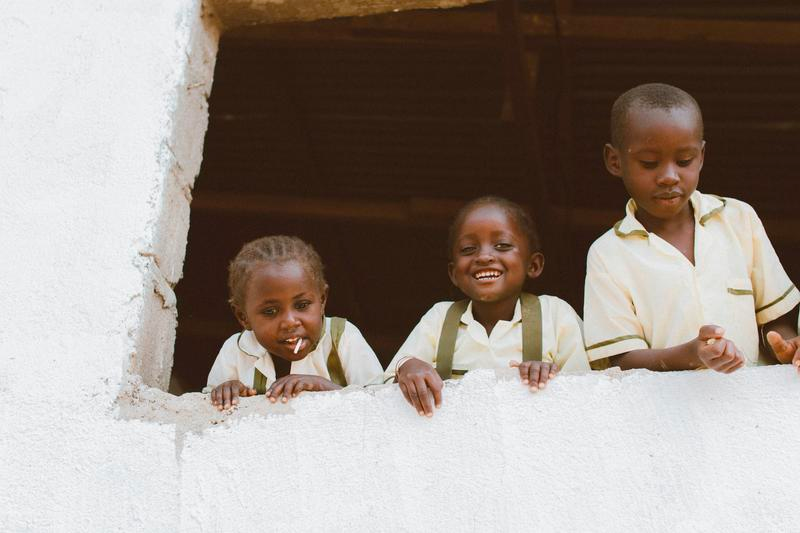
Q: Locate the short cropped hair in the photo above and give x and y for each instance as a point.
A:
(649, 96)
(515, 212)
(274, 249)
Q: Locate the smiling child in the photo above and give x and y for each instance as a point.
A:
(493, 249)
(278, 294)
(686, 279)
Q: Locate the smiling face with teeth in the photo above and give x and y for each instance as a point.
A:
(491, 257)
(283, 305)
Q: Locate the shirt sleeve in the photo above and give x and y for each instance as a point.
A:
(611, 326)
(570, 352)
(774, 293)
(224, 367)
(422, 341)
(359, 362)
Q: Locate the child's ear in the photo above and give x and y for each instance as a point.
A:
(613, 161)
(241, 317)
(323, 298)
(450, 269)
(536, 265)
(702, 155)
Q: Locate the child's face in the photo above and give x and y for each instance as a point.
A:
(661, 160)
(491, 257)
(282, 305)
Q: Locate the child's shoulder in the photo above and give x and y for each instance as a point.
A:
(557, 308)
(729, 208)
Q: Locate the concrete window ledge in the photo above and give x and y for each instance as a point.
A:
(610, 451)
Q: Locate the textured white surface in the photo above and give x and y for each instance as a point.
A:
(98, 149)
(688, 451)
(90, 93)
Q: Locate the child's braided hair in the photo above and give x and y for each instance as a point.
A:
(274, 249)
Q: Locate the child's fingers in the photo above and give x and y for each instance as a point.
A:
(544, 375)
(275, 390)
(779, 345)
(736, 362)
(413, 397)
(709, 332)
(214, 396)
(404, 390)
(435, 385)
(425, 395)
(513, 363)
(299, 387)
(523, 368)
(226, 395)
(418, 391)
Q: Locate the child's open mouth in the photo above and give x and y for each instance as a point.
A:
(487, 274)
(296, 343)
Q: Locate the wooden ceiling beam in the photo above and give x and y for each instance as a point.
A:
(437, 25)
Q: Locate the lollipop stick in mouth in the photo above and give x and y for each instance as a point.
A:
(297, 346)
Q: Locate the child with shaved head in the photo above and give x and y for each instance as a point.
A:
(686, 279)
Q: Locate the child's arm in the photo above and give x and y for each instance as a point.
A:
(709, 349)
(412, 366)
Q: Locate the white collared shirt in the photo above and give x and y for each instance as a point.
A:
(562, 340)
(643, 292)
(238, 360)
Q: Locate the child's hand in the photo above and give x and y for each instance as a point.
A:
(420, 384)
(227, 394)
(717, 352)
(785, 350)
(535, 373)
(293, 384)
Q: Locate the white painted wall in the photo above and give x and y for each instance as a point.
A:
(102, 114)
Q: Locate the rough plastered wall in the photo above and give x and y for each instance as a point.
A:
(102, 115)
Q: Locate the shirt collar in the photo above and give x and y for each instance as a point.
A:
(705, 206)
(468, 318)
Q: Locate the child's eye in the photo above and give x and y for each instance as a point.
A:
(503, 246)
(269, 311)
(302, 305)
(649, 164)
(466, 250)
(685, 162)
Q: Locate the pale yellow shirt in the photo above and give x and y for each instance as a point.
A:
(562, 340)
(642, 292)
(240, 356)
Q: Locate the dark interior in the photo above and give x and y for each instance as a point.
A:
(364, 135)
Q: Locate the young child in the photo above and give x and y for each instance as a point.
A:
(493, 249)
(685, 279)
(278, 294)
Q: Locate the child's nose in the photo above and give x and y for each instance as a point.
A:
(486, 255)
(290, 320)
(669, 176)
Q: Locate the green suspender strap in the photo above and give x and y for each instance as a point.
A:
(531, 327)
(531, 333)
(334, 363)
(259, 382)
(447, 339)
